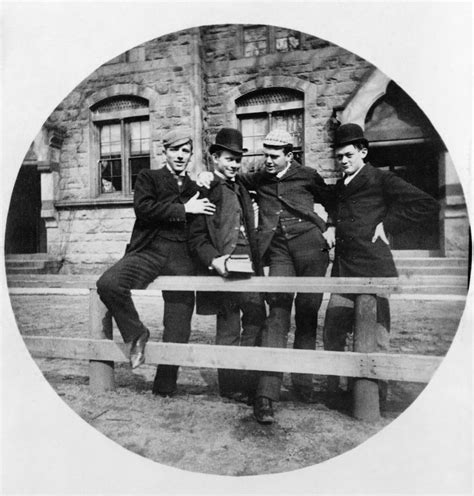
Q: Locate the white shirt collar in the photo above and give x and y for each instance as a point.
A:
(348, 179)
(283, 172)
(181, 174)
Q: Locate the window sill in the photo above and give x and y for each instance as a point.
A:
(95, 202)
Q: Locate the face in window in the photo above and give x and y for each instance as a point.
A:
(350, 158)
(177, 157)
(276, 160)
(227, 163)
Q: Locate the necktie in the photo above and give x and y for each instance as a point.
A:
(179, 181)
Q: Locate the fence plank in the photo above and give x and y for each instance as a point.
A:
(451, 285)
(415, 368)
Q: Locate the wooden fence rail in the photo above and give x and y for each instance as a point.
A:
(363, 364)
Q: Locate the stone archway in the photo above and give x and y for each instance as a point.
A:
(454, 225)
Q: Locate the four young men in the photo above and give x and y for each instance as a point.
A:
(176, 229)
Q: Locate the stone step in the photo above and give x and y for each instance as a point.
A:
(430, 262)
(432, 271)
(32, 263)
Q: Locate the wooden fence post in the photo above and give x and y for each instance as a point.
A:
(101, 373)
(366, 391)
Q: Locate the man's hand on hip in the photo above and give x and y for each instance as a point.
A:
(380, 233)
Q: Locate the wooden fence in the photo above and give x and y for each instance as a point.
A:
(363, 363)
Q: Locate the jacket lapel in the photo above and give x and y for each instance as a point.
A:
(171, 182)
(357, 183)
(293, 169)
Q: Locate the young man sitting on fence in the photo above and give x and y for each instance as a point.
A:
(226, 244)
(370, 202)
(163, 202)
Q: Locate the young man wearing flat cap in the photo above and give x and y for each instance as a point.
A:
(230, 232)
(164, 200)
(370, 203)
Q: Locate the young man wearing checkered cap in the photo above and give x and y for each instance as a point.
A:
(293, 241)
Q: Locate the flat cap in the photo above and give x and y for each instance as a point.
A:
(278, 137)
(176, 138)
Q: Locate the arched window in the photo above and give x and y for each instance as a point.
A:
(263, 110)
(122, 134)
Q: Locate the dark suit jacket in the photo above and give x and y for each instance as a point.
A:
(298, 190)
(374, 196)
(159, 208)
(204, 240)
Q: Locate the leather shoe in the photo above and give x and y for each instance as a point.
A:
(165, 394)
(137, 350)
(263, 410)
(239, 397)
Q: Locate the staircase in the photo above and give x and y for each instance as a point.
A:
(32, 263)
(432, 266)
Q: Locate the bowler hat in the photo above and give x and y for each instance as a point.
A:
(176, 137)
(349, 133)
(228, 139)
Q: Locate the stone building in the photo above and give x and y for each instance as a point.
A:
(72, 203)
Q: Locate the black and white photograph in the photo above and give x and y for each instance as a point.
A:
(236, 248)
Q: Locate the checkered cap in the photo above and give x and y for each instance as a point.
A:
(278, 137)
(176, 138)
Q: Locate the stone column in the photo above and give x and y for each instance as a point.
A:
(47, 146)
(454, 220)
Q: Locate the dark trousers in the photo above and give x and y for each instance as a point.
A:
(306, 256)
(137, 271)
(339, 323)
(234, 330)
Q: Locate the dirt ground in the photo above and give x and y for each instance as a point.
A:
(197, 430)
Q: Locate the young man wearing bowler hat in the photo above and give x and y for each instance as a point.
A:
(230, 232)
(164, 200)
(370, 203)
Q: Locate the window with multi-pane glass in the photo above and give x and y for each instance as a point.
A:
(255, 40)
(124, 144)
(263, 111)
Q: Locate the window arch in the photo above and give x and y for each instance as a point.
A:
(266, 109)
(121, 143)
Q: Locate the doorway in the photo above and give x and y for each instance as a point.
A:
(25, 229)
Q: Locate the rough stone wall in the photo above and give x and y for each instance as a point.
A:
(162, 65)
(335, 72)
(93, 239)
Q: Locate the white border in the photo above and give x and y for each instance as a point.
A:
(48, 48)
